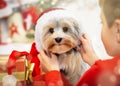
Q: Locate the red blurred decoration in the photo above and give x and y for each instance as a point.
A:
(31, 12)
(3, 4)
(13, 30)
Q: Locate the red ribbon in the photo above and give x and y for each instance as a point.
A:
(12, 59)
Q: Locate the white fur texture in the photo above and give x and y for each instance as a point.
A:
(43, 20)
(9, 80)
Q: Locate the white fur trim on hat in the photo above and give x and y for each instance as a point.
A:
(43, 20)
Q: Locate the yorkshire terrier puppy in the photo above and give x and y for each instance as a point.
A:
(58, 31)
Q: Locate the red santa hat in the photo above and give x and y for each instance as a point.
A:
(44, 19)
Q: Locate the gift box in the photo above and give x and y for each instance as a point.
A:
(18, 71)
(3, 68)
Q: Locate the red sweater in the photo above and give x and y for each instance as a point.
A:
(102, 73)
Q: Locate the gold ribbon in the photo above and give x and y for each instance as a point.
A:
(29, 70)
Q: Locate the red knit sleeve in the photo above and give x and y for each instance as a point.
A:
(53, 78)
(89, 78)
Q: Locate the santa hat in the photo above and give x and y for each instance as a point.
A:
(4, 9)
(45, 17)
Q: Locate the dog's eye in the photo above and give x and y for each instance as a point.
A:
(65, 29)
(51, 30)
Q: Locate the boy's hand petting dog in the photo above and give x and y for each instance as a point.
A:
(87, 51)
(48, 63)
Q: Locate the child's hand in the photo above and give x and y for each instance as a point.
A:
(48, 64)
(87, 51)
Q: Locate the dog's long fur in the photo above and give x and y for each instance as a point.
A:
(73, 65)
(68, 29)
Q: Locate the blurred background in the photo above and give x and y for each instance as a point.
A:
(18, 18)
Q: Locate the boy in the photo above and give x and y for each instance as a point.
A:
(101, 73)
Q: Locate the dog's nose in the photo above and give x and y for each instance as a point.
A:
(58, 39)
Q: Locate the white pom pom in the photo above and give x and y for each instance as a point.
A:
(9, 80)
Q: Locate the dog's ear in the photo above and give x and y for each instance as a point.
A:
(77, 27)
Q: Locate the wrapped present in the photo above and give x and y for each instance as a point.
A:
(3, 62)
(24, 67)
(3, 68)
(20, 66)
(18, 71)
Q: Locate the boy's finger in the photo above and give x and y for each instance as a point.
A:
(85, 36)
(53, 56)
(81, 51)
(40, 58)
(83, 41)
(43, 55)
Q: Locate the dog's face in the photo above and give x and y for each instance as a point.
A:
(61, 35)
(57, 31)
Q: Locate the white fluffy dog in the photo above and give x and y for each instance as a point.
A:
(58, 31)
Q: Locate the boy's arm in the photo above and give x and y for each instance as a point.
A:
(91, 76)
(53, 78)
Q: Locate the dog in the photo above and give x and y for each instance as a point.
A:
(58, 31)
